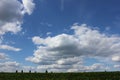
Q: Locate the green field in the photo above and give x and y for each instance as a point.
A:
(61, 76)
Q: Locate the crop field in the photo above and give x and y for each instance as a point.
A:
(61, 76)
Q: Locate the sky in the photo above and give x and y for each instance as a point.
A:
(59, 35)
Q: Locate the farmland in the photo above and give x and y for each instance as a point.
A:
(61, 76)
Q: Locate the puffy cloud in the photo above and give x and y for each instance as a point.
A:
(9, 66)
(12, 13)
(29, 6)
(69, 61)
(68, 50)
(116, 66)
(10, 27)
(73, 68)
(10, 10)
(37, 40)
(11, 18)
(48, 33)
(94, 67)
(3, 56)
(116, 58)
(7, 47)
(53, 67)
(97, 67)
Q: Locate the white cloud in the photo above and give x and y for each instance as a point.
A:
(116, 66)
(9, 66)
(11, 18)
(10, 27)
(12, 66)
(37, 40)
(53, 67)
(116, 58)
(85, 41)
(10, 10)
(94, 67)
(48, 33)
(7, 47)
(97, 67)
(29, 6)
(11, 15)
(72, 68)
(3, 56)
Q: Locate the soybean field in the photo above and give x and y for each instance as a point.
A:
(61, 76)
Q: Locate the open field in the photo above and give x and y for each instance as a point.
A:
(61, 76)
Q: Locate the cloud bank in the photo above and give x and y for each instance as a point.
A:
(9, 66)
(65, 52)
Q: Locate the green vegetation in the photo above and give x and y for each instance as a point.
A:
(61, 76)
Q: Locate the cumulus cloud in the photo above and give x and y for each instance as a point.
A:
(37, 40)
(73, 68)
(116, 66)
(9, 66)
(3, 56)
(29, 6)
(116, 58)
(11, 18)
(10, 27)
(7, 47)
(12, 66)
(10, 10)
(68, 50)
(12, 13)
(94, 67)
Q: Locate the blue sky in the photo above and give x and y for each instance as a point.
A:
(59, 35)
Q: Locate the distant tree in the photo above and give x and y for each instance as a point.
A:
(16, 71)
(105, 71)
(29, 71)
(46, 71)
(21, 71)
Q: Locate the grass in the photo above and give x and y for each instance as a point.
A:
(61, 76)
